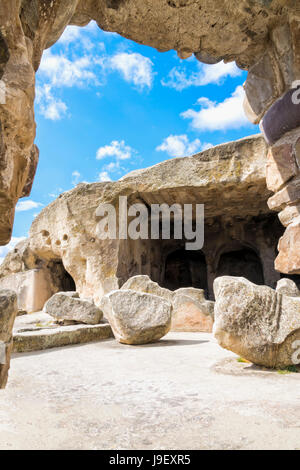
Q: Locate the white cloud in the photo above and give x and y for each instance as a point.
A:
(104, 176)
(56, 193)
(70, 34)
(63, 72)
(180, 146)
(27, 205)
(213, 116)
(117, 153)
(76, 66)
(112, 166)
(117, 149)
(50, 107)
(57, 71)
(134, 67)
(179, 78)
(75, 177)
(81, 36)
(7, 248)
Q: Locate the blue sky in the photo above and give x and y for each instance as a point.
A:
(106, 106)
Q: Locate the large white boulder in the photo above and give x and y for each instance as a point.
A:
(143, 283)
(137, 317)
(287, 287)
(256, 322)
(67, 306)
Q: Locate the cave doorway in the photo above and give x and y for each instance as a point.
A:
(185, 269)
(61, 277)
(241, 263)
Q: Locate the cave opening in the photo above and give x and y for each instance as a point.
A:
(241, 263)
(250, 254)
(185, 269)
(63, 280)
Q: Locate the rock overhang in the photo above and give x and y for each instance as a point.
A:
(228, 179)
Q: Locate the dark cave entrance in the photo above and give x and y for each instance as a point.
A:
(61, 277)
(241, 263)
(185, 269)
(244, 248)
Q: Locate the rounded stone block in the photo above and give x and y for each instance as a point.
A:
(282, 117)
(256, 322)
(137, 317)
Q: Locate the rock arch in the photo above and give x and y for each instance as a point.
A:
(263, 37)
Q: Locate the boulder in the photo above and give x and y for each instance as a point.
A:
(191, 311)
(137, 317)
(67, 306)
(256, 322)
(196, 294)
(287, 287)
(8, 312)
(143, 283)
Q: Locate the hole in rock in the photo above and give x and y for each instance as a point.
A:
(242, 263)
(63, 280)
(241, 248)
(185, 269)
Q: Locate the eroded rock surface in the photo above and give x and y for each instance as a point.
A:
(68, 307)
(8, 312)
(287, 287)
(256, 322)
(137, 317)
(143, 283)
(228, 179)
(191, 311)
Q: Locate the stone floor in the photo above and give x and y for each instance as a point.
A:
(181, 393)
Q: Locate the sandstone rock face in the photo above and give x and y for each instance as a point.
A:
(8, 312)
(137, 317)
(281, 166)
(287, 287)
(256, 322)
(33, 287)
(228, 179)
(68, 307)
(288, 259)
(192, 313)
(144, 284)
(196, 294)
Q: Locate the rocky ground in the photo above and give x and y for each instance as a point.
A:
(182, 392)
